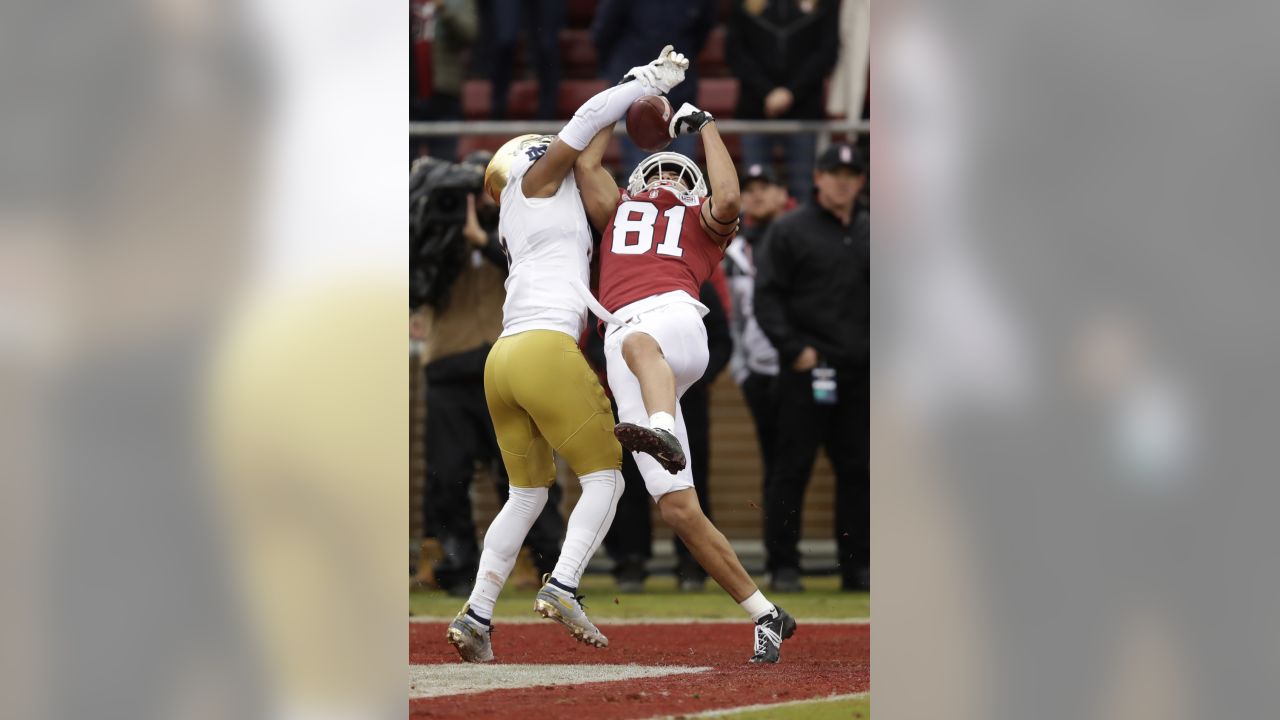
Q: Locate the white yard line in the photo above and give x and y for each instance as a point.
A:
(804, 622)
(767, 706)
(440, 680)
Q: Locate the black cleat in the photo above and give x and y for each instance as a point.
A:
(660, 444)
(771, 630)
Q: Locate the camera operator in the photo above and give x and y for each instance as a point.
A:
(457, 270)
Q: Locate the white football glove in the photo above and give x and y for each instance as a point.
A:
(688, 120)
(662, 74)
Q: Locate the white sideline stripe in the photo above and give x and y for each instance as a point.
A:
(648, 621)
(766, 706)
(426, 681)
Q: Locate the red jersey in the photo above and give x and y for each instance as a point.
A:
(655, 244)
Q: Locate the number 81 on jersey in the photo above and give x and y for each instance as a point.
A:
(634, 235)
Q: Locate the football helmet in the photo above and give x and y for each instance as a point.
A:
(498, 171)
(648, 175)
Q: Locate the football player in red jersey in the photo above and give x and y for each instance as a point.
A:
(662, 237)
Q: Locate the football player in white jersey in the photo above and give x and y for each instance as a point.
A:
(542, 395)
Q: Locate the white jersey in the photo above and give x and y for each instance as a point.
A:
(548, 243)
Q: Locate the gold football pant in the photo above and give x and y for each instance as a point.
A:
(543, 396)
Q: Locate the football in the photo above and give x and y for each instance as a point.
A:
(647, 122)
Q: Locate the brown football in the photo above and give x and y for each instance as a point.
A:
(647, 122)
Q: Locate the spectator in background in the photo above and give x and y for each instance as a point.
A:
(754, 363)
(812, 289)
(629, 542)
(782, 51)
(627, 34)
(849, 81)
(542, 19)
(459, 432)
(449, 28)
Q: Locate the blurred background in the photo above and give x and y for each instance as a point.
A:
(204, 403)
(203, 455)
(786, 81)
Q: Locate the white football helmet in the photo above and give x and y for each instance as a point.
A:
(688, 176)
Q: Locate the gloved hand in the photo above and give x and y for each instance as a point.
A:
(688, 120)
(664, 73)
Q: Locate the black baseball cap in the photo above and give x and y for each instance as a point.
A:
(838, 156)
(757, 171)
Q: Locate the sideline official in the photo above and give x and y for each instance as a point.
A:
(811, 300)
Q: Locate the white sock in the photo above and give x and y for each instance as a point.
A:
(757, 606)
(663, 421)
(602, 110)
(502, 544)
(588, 523)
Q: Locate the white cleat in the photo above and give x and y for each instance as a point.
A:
(470, 637)
(556, 604)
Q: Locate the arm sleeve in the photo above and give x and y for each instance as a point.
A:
(773, 285)
(741, 58)
(808, 78)
(460, 16)
(719, 344)
(603, 109)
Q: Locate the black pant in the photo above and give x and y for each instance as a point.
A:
(760, 392)
(459, 433)
(544, 20)
(842, 429)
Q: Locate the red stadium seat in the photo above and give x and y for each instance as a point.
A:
(573, 93)
(711, 62)
(522, 100)
(577, 54)
(475, 99)
(471, 143)
(719, 96)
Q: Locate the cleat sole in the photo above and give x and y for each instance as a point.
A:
(637, 439)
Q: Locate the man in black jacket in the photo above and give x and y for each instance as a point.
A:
(782, 51)
(812, 301)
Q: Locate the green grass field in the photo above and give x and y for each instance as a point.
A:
(821, 599)
(855, 709)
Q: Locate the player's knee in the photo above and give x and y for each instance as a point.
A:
(680, 514)
(608, 479)
(528, 501)
(501, 546)
(640, 348)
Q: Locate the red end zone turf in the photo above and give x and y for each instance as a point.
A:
(821, 660)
